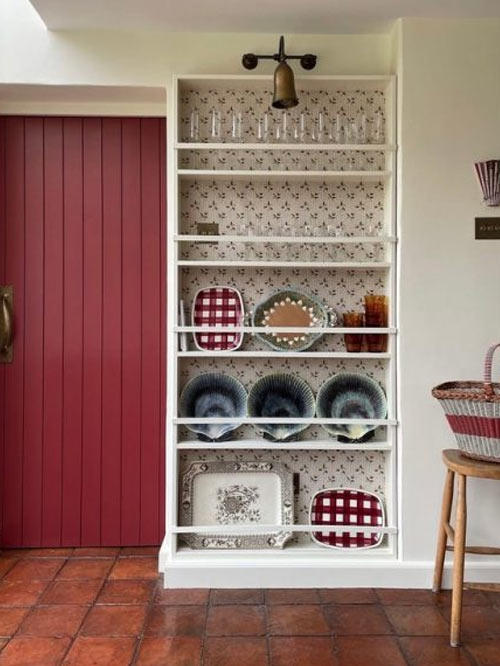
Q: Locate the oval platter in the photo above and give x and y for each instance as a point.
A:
(289, 308)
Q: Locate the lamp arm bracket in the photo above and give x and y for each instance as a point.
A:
(307, 60)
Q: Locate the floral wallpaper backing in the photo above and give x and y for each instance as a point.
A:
(309, 207)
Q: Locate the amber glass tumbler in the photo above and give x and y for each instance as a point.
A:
(376, 316)
(353, 341)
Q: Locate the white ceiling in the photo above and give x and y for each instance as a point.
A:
(271, 16)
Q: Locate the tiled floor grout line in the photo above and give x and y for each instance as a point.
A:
(472, 659)
(90, 607)
(208, 606)
(140, 637)
(266, 630)
(333, 638)
(204, 635)
(406, 657)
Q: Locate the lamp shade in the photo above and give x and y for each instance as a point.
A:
(285, 96)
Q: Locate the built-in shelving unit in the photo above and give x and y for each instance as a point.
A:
(300, 190)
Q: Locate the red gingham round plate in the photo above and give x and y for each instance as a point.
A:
(218, 306)
(349, 507)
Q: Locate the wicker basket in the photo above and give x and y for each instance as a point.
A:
(473, 412)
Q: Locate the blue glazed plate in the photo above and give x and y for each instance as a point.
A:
(351, 395)
(289, 308)
(213, 394)
(281, 395)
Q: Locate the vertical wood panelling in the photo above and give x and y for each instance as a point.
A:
(162, 305)
(131, 331)
(14, 372)
(82, 226)
(33, 340)
(73, 331)
(92, 331)
(151, 329)
(112, 331)
(52, 333)
(3, 245)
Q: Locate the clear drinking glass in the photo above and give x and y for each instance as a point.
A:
(300, 129)
(362, 128)
(374, 251)
(317, 248)
(292, 248)
(194, 136)
(378, 128)
(309, 252)
(194, 126)
(337, 130)
(236, 126)
(263, 250)
(263, 127)
(318, 132)
(215, 125)
(351, 130)
(243, 231)
(332, 249)
(282, 130)
(340, 248)
(251, 251)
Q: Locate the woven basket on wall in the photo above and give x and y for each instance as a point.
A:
(473, 412)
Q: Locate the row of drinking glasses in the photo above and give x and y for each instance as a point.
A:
(288, 127)
(309, 251)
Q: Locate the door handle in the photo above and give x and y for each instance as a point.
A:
(6, 324)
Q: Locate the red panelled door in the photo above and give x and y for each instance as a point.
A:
(82, 238)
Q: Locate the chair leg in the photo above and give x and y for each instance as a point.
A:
(458, 561)
(442, 538)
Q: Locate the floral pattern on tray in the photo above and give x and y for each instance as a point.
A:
(316, 470)
(238, 504)
(231, 495)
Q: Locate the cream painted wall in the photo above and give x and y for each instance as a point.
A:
(449, 96)
(31, 54)
(450, 283)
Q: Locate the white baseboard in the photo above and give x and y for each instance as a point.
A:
(340, 573)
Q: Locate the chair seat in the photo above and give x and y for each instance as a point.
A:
(461, 464)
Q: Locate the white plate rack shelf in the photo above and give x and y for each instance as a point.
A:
(317, 216)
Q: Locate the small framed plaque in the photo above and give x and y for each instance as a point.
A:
(208, 229)
(487, 228)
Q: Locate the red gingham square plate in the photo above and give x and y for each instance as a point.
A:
(218, 306)
(346, 506)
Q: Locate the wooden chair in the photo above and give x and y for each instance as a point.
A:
(458, 464)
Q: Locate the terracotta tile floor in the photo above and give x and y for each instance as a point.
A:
(106, 607)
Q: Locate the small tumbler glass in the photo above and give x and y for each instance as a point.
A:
(353, 341)
(376, 316)
(215, 125)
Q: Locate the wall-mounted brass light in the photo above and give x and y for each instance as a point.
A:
(284, 85)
